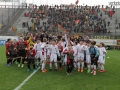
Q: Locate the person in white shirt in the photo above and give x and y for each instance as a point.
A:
(68, 40)
(101, 59)
(37, 48)
(65, 57)
(43, 55)
(60, 47)
(75, 54)
(54, 52)
(63, 43)
(88, 58)
(80, 56)
(48, 51)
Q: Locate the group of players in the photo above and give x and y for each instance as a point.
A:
(73, 54)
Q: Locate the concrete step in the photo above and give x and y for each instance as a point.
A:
(12, 21)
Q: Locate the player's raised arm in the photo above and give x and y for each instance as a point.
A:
(66, 38)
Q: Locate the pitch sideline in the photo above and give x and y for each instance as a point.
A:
(18, 87)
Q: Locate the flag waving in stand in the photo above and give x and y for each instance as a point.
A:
(61, 29)
(14, 29)
(76, 22)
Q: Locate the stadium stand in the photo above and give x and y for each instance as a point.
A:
(46, 18)
(5, 13)
(9, 21)
(100, 21)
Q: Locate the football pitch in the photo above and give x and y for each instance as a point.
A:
(12, 76)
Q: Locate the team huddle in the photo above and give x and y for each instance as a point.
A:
(73, 54)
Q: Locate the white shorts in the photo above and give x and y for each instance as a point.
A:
(80, 57)
(75, 58)
(38, 54)
(53, 57)
(43, 57)
(101, 59)
(88, 59)
(65, 58)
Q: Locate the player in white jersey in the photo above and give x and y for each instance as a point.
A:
(75, 54)
(68, 40)
(65, 57)
(54, 52)
(48, 51)
(60, 47)
(43, 55)
(85, 64)
(88, 58)
(80, 56)
(63, 43)
(37, 48)
(101, 59)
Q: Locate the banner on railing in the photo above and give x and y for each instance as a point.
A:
(102, 37)
(118, 42)
(3, 39)
(111, 42)
(7, 37)
(2, 42)
(76, 35)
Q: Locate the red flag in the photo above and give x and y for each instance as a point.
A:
(77, 21)
(14, 29)
(77, 2)
(61, 28)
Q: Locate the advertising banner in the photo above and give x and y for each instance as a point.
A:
(3, 39)
(105, 41)
(118, 42)
(7, 37)
(2, 42)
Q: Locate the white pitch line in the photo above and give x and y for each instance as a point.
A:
(18, 87)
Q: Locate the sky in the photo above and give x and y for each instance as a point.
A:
(58, 2)
(81, 2)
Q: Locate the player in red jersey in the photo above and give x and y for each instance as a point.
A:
(8, 52)
(22, 46)
(14, 50)
(31, 57)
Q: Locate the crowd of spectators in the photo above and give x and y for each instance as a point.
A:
(90, 19)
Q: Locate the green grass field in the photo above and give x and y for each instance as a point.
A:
(12, 76)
